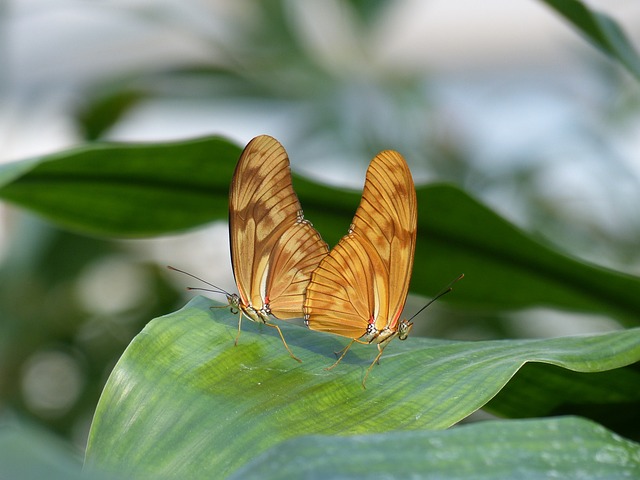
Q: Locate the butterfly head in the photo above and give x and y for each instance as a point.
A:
(234, 302)
(404, 327)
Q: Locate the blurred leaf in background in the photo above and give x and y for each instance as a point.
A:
(69, 305)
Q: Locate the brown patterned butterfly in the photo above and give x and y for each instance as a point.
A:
(359, 290)
(273, 248)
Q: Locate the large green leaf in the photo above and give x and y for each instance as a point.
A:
(601, 30)
(148, 189)
(126, 190)
(184, 400)
(567, 448)
(504, 267)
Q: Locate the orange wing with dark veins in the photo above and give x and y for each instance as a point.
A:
(365, 279)
(273, 249)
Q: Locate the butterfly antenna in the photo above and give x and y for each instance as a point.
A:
(441, 293)
(215, 288)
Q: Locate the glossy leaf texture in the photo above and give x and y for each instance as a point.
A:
(490, 450)
(133, 190)
(128, 189)
(183, 400)
(600, 30)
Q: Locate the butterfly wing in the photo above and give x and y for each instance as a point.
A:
(273, 249)
(387, 218)
(365, 279)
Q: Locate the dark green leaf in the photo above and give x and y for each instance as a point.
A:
(127, 189)
(601, 30)
(611, 398)
(504, 267)
(105, 111)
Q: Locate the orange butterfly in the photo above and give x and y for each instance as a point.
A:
(359, 290)
(273, 248)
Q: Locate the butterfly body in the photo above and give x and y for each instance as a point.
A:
(384, 336)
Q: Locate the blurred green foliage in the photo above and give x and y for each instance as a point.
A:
(56, 350)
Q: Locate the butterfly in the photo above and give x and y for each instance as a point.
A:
(273, 248)
(359, 290)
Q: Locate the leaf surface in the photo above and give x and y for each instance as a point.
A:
(184, 400)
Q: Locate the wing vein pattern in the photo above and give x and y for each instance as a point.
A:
(273, 248)
(364, 281)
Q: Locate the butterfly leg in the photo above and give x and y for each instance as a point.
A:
(375, 361)
(239, 325)
(344, 352)
(283, 340)
(340, 352)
